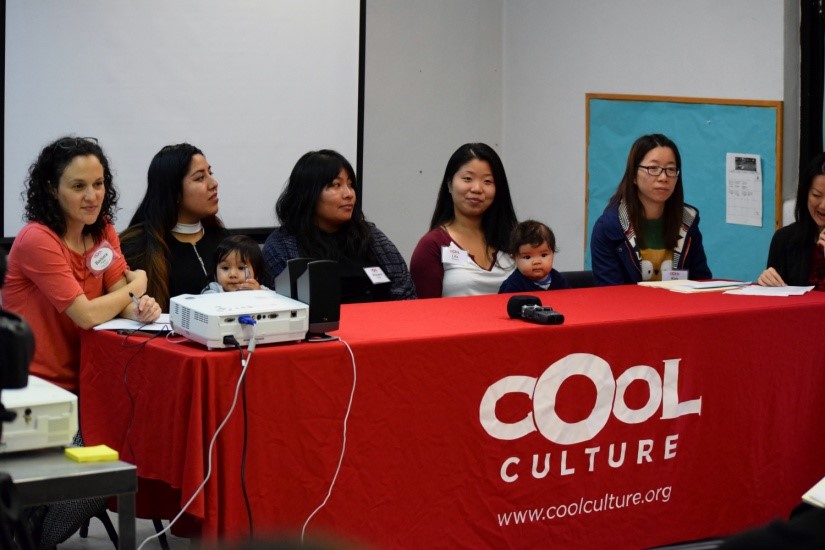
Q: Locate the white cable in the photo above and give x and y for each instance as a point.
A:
(343, 445)
(245, 365)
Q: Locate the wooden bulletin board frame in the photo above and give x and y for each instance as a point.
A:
(705, 130)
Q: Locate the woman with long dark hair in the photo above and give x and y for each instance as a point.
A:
(647, 227)
(465, 251)
(321, 218)
(175, 230)
(797, 252)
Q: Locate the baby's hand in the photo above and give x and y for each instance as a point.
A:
(249, 284)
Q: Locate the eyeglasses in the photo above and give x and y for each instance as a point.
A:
(657, 171)
(69, 143)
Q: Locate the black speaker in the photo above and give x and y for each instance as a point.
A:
(286, 283)
(320, 288)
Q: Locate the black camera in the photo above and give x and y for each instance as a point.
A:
(16, 352)
(529, 308)
(16, 344)
(541, 314)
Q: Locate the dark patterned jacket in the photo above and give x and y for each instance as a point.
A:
(281, 246)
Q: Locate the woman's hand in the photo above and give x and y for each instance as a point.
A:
(147, 310)
(770, 277)
(821, 240)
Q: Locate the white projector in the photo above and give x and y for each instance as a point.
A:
(210, 318)
(46, 417)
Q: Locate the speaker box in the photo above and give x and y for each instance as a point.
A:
(286, 283)
(319, 286)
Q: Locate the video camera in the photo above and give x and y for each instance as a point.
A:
(16, 352)
(529, 308)
(16, 346)
(543, 315)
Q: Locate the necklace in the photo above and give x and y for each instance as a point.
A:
(195, 248)
(188, 228)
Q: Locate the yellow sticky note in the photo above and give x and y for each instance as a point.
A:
(98, 453)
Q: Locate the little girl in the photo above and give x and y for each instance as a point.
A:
(532, 245)
(239, 265)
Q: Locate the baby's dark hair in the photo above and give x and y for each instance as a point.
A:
(247, 249)
(533, 233)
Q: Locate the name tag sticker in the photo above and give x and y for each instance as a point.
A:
(454, 255)
(100, 258)
(376, 275)
(675, 275)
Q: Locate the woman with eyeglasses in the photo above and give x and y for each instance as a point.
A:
(175, 230)
(65, 268)
(647, 228)
(66, 273)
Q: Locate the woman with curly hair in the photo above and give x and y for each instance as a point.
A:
(65, 268)
(66, 273)
(175, 230)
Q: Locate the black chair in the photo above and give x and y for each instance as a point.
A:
(103, 516)
(579, 279)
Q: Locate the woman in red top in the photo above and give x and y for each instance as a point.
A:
(66, 273)
(65, 269)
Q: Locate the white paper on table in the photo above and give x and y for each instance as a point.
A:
(688, 286)
(714, 284)
(119, 323)
(743, 186)
(757, 290)
(815, 496)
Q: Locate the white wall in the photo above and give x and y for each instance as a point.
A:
(434, 80)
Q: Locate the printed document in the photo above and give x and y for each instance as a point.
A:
(744, 189)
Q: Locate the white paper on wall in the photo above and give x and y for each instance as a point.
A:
(743, 189)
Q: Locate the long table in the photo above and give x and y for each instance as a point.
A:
(648, 417)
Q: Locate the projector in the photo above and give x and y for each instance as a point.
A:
(46, 417)
(209, 318)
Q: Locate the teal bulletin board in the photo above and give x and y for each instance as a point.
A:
(705, 130)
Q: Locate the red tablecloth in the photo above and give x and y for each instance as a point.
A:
(649, 417)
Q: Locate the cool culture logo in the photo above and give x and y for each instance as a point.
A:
(610, 401)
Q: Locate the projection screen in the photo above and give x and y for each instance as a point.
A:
(254, 84)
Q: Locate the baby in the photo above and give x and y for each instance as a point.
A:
(239, 264)
(532, 245)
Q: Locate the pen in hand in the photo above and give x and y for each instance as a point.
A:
(135, 300)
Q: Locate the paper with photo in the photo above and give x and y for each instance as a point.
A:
(743, 189)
